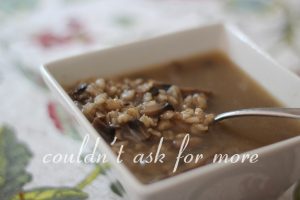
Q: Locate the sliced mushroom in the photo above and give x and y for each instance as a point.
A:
(156, 109)
(159, 86)
(135, 131)
(80, 88)
(154, 91)
(167, 106)
(79, 94)
(106, 131)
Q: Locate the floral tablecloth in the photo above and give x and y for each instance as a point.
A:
(32, 32)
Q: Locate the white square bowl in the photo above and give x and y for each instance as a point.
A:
(279, 163)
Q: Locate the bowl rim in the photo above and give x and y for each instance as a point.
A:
(147, 189)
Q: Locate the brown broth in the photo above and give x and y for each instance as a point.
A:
(232, 89)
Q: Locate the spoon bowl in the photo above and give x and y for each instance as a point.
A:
(260, 112)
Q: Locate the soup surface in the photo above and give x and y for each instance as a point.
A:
(212, 79)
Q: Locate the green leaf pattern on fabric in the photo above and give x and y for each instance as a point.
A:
(14, 157)
(117, 188)
(52, 194)
(9, 6)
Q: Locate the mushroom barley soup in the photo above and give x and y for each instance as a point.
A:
(175, 99)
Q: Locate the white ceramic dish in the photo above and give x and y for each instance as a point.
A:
(279, 164)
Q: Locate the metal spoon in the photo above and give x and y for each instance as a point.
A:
(271, 112)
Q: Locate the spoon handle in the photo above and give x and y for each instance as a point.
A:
(271, 112)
